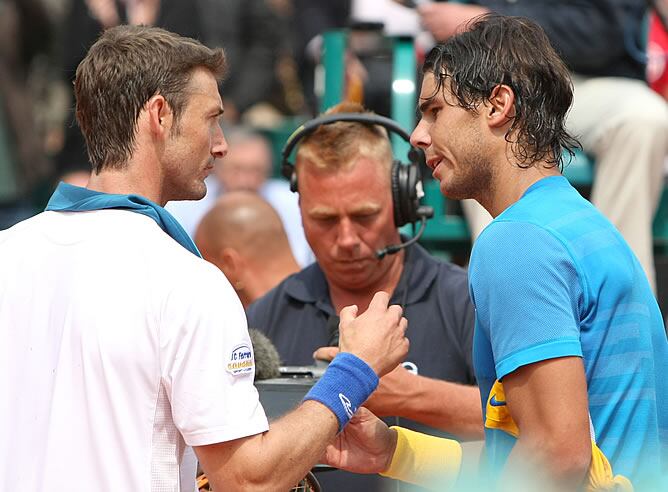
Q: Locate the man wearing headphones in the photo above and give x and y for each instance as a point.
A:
(352, 199)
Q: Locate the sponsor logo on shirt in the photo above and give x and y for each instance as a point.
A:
(241, 360)
(496, 403)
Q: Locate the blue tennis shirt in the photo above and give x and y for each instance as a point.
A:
(551, 277)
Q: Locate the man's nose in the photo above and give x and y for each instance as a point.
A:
(420, 136)
(347, 235)
(219, 147)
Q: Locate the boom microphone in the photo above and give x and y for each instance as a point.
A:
(395, 248)
(267, 361)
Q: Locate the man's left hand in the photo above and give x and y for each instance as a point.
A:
(366, 445)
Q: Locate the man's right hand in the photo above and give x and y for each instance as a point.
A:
(376, 336)
(366, 445)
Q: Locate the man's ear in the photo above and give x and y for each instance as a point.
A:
(159, 114)
(233, 265)
(500, 106)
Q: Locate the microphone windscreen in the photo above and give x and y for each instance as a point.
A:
(267, 361)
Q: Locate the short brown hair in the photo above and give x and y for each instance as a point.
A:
(334, 146)
(125, 68)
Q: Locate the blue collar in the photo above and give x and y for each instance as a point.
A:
(69, 198)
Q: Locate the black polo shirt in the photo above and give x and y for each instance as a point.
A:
(296, 316)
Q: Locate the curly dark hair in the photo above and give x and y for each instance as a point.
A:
(514, 51)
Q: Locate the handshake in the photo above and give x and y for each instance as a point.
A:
(377, 336)
(370, 346)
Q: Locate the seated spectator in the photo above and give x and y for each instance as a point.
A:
(244, 237)
(263, 86)
(615, 115)
(343, 172)
(247, 167)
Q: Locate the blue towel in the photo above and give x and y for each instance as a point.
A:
(69, 198)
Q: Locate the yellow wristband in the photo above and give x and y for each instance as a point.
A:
(600, 476)
(424, 460)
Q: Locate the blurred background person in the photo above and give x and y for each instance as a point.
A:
(25, 33)
(244, 237)
(657, 48)
(248, 167)
(368, 60)
(84, 22)
(263, 86)
(78, 178)
(311, 18)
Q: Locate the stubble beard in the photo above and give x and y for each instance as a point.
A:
(475, 183)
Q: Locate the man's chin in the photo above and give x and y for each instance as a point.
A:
(352, 280)
(192, 195)
(453, 191)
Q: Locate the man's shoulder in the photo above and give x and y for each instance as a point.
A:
(445, 272)
(303, 287)
(447, 268)
(293, 312)
(172, 266)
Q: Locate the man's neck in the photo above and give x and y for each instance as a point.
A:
(342, 296)
(510, 185)
(127, 181)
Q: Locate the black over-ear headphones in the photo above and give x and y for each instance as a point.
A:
(406, 183)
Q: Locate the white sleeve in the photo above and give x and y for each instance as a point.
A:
(207, 362)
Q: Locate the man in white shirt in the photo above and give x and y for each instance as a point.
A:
(119, 345)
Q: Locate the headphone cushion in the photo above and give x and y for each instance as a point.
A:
(398, 194)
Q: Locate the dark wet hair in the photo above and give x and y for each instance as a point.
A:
(516, 52)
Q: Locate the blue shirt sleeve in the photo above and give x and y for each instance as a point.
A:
(527, 294)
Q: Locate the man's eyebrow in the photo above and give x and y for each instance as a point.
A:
(321, 211)
(424, 106)
(366, 208)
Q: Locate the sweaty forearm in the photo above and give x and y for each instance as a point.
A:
(560, 460)
(277, 459)
(294, 444)
(451, 407)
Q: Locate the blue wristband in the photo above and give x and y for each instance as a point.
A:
(346, 384)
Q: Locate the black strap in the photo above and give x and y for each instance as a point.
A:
(333, 330)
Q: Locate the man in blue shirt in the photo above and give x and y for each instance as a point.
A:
(569, 344)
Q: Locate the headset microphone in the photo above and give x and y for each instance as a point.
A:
(405, 179)
(425, 213)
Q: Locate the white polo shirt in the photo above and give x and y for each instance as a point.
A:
(116, 346)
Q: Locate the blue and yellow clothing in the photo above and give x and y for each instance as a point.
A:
(551, 277)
